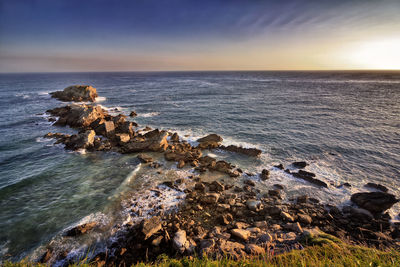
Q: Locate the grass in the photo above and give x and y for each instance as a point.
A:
(322, 250)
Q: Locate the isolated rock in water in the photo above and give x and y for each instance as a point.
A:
(210, 141)
(76, 93)
(375, 202)
(252, 152)
(180, 243)
(81, 229)
(299, 164)
(377, 186)
(151, 226)
(264, 174)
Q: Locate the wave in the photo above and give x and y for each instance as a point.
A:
(149, 114)
(101, 99)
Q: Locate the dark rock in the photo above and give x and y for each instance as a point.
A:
(299, 164)
(308, 176)
(252, 152)
(133, 114)
(76, 93)
(145, 158)
(375, 202)
(249, 182)
(175, 137)
(210, 141)
(377, 186)
(81, 140)
(279, 166)
(264, 175)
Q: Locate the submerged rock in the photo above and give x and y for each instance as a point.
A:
(375, 202)
(377, 186)
(252, 152)
(309, 176)
(76, 93)
(299, 164)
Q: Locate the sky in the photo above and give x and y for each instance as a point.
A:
(157, 35)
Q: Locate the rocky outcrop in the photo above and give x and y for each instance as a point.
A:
(81, 229)
(309, 177)
(252, 152)
(375, 202)
(210, 141)
(155, 141)
(78, 116)
(76, 93)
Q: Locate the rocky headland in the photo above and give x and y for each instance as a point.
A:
(216, 218)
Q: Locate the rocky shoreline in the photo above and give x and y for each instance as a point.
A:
(214, 218)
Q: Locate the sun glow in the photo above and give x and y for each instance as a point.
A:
(377, 54)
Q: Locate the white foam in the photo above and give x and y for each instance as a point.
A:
(149, 114)
(101, 99)
(44, 93)
(43, 140)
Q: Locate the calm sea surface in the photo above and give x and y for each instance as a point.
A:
(345, 124)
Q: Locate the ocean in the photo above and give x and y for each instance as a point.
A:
(346, 125)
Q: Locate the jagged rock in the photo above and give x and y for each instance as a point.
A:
(252, 152)
(254, 249)
(76, 93)
(225, 219)
(249, 182)
(156, 141)
(375, 202)
(174, 137)
(377, 186)
(309, 176)
(210, 198)
(210, 141)
(81, 229)
(133, 114)
(299, 164)
(77, 116)
(241, 234)
(145, 158)
(275, 193)
(151, 226)
(232, 249)
(81, 140)
(125, 128)
(180, 243)
(200, 187)
(304, 218)
(286, 216)
(264, 174)
(122, 138)
(206, 245)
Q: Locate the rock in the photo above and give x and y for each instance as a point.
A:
(253, 205)
(206, 245)
(225, 219)
(302, 199)
(77, 93)
(241, 225)
(293, 227)
(304, 218)
(122, 138)
(157, 241)
(125, 128)
(276, 193)
(299, 164)
(375, 202)
(308, 176)
(78, 116)
(287, 217)
(181, 164)
(81, 229)
(252, 152)
(231, 249)
(200, 186)
(145, 158)
(155, 141)
(254, 249)
(151, 226)
(216, 186)
(377, 186)
(132, 114)
(210, 198)
(210, 141)
(81, 140)
(175, 137)
(264, 175)
(241, 234)
(249, 182)
(265, 238)
(180, 243)
(279, 166)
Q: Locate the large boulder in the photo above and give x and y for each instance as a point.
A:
(210, 141)
(76, 93)
(81, 140)
(151, 226)
(375, 202)
(155, 141)
(252, 152)
(78, 116)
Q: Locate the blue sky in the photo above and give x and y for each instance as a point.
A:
(106, 35)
